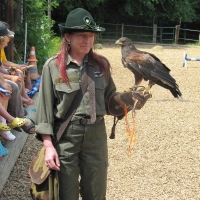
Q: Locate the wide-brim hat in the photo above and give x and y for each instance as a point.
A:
(79, 20)
(5, 31)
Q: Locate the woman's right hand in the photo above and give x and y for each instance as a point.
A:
(51, 158)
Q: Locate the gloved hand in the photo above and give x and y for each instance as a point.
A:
(132, 100)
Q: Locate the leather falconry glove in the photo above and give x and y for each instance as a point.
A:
(133, 100)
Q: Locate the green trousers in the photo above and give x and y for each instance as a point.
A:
(83, 157)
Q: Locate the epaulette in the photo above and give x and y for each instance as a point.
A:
(53, 57)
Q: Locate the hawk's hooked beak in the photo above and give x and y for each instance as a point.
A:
(118, 42)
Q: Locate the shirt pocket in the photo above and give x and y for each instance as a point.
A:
(65, 95)
(63, 87)
(100, 85)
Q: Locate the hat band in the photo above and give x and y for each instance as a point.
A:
(86, 27)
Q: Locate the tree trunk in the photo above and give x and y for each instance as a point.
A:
(10, 21)
(7, 15)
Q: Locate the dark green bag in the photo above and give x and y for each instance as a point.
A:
(44, 182)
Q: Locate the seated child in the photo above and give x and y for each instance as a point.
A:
(5, 92)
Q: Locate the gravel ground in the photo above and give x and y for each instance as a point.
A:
(165, 159)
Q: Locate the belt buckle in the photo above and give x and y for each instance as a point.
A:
(83, 121)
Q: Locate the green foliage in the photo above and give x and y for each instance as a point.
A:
(133, 12)
(193, 44)
(54, 46)
(39, 32)
(161, 11)
(69, 5)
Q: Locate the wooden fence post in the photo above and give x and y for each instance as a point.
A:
(116, 35)
(199, 38)
(154, 33)
(184, 34)
(122, 30)
(161, 33)
(177, 33)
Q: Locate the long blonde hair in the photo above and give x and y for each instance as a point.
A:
(4, 38)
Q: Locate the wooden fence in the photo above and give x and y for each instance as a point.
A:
(154, 34)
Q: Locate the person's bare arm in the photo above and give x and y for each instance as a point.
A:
(13, 78)
(8, 64)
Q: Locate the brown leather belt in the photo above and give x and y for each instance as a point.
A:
(85, 121)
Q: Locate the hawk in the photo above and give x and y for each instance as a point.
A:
(146, 66)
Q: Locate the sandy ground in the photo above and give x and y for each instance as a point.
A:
(165, 159)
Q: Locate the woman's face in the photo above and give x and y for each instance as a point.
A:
(80, 42)
(3, 44)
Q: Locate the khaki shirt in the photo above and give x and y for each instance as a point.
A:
(55, 96)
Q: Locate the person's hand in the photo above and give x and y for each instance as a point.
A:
(15, 79)
(5, 97)
(16, 72)
(20, 73)
(51, 158)
(23, 67)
